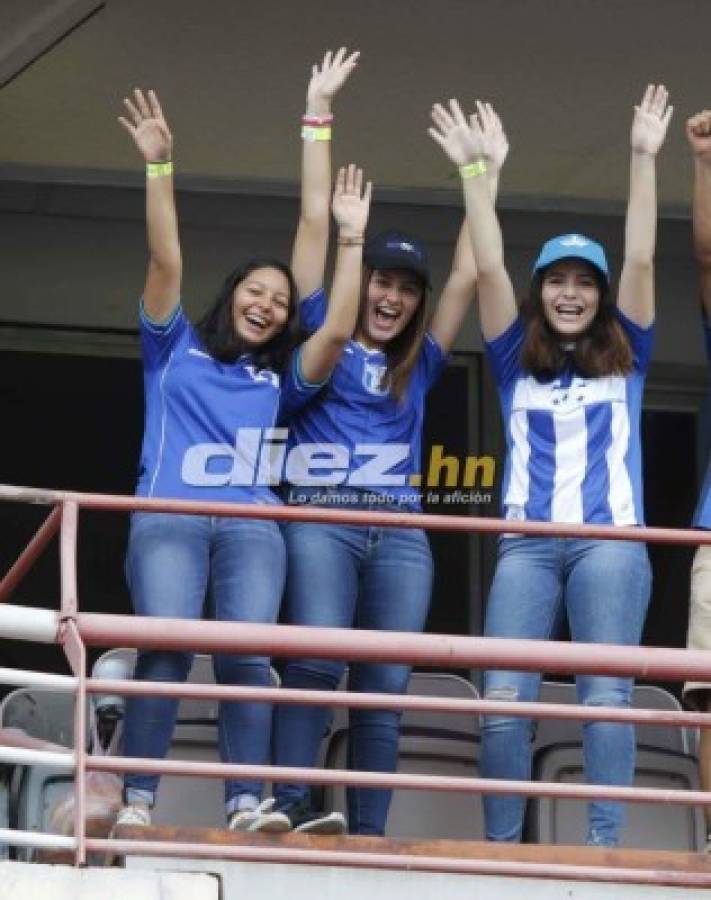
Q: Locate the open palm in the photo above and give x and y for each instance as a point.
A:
(147, 126)
(351, 201)
(328, 78)
(651, 119)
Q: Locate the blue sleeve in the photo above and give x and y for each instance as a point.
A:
(431, 362)
(707, 336)
(504, 353)
(312, 310)
(159, 338)
(641, 340)
(296, 391)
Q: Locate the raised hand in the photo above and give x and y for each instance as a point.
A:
(494, 134)
(351, 202)
(651, 119)
(147, 126)
(463, 141)
(698, 132)
(328, 78)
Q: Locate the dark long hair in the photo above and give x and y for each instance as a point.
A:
(602, 349)
(216, 328)
(402, 351)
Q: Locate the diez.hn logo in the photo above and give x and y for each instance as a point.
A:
(260, 456)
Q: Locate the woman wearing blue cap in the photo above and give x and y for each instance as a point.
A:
(358, 446)
(570, 369)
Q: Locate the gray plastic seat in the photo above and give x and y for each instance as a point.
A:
(431, 743)
(181, 800)
(33, 791)
(550, 732)
(648, 826)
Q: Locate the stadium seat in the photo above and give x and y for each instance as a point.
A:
(37, 791)
(645, 696)
(431, 743)
(648, 826)
(32, 791)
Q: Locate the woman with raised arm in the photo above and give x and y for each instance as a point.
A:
(212, 390)
(698, 693)
(570, 369)
(343, 576)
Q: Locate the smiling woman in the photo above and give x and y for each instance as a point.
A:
(369, 422)
(570, 370)
(205, 386)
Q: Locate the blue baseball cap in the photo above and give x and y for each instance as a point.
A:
(395, 250)
(573, 246)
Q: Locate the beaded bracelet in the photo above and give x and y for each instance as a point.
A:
(317, 120)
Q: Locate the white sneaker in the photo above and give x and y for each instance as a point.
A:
(133, 814)
(261, 818)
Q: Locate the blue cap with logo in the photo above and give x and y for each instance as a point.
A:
(395, 250)
(573, 246)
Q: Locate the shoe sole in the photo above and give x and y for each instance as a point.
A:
(333, 824)
(271, 823)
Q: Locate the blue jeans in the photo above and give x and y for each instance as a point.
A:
(604, 588)
(340, 576)
(190, 567)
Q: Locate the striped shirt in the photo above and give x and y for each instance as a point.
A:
(573, 442)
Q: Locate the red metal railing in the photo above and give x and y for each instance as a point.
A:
(75, 631)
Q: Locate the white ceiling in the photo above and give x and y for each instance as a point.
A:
(564, 75)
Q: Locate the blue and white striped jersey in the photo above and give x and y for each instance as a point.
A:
(573, 443)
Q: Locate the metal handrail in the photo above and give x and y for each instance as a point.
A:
(75, 631)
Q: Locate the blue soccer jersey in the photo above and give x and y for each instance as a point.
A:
(209, 426)
(573, 443)
(356, 435)
(702, 516)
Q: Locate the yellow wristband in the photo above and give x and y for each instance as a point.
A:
(159, 169)
(316, 132)
(473, 170)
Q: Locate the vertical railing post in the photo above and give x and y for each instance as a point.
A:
(75, 651)
(68, 558)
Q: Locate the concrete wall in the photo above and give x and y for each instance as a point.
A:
(18, 881)
(73, 252)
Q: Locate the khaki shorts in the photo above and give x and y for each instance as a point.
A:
(699, 634)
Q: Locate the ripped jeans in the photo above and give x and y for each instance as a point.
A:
(604, 588)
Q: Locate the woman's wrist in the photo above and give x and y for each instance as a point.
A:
(318, 106)
(349, 237)
(159, 169)
(475, 168)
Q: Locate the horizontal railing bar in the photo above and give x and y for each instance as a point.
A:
(447, 784)
(23, 623)
(45, 680)
(409, 862)
(21, 756)
(306, 513)
(36, 839)
(421, 703)
(433, 650)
